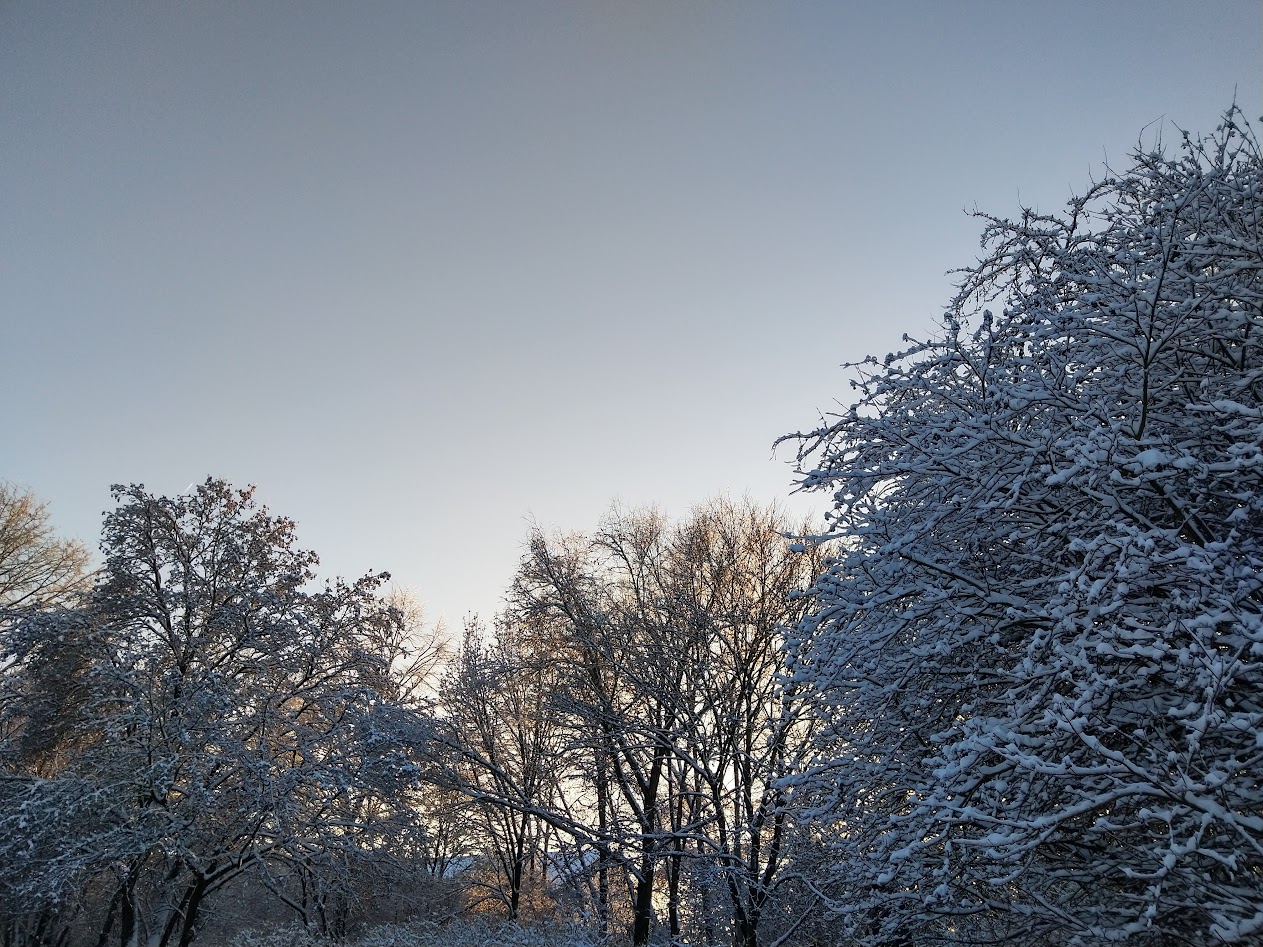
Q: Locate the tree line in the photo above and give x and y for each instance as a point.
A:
(201, 718)
(1008, 690)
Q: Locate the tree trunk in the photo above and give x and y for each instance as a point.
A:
(127, 916)
(675, 866)
(603, 849)
(642, 905)
(745, 924)
(193, 903)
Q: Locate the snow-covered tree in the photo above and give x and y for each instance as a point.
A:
(233, 718)
(1039, 651)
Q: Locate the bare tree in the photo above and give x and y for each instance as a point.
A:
(416, 649)
(496, 708)
(36, 567)
(667, 640)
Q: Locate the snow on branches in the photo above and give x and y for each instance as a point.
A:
(204, 715)
(1039, 651)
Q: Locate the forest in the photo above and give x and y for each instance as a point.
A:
(1010, 690)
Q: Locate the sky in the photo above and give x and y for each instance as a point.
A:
(431, 274)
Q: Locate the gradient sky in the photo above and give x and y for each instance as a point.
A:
(427, 273)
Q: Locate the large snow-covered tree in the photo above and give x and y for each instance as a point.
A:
(1039, 651)
(231, 717)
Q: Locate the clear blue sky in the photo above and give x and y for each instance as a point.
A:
(428, 272)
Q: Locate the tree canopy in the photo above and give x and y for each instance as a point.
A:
(205, 712)
(1038, 653)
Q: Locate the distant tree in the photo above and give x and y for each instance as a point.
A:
(234, 719)
(737, 578)
(1038, 654)
(36, 567)
(40, 694)
(666, 642)
(417, 650)
(496, 700)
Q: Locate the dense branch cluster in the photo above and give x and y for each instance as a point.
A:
(1038, 655)
(647, 658)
